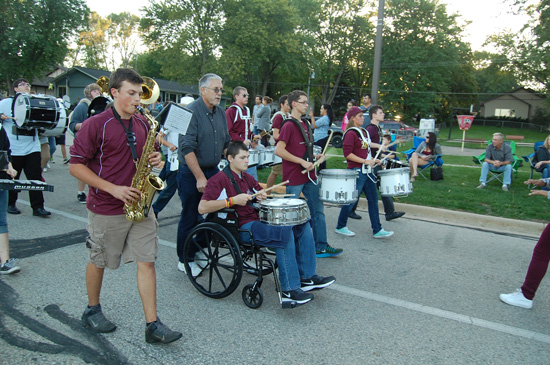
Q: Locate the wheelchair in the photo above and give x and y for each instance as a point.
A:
(223, 257)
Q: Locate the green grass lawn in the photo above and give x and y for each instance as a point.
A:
(458, 189)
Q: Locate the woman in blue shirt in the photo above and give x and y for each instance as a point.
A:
(321, 126)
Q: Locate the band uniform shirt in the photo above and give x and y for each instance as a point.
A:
(206, 135)
(354, 144)
(296, 146)
(219, 187)
(374, 133)
(277, 122)
(236, 127)
(20, 145)
(502, 154)
(102, 146)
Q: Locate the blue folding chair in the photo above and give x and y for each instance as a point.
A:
(416, 142)
(529, 159)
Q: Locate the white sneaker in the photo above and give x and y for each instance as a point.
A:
(201, 259)
(517, 299)
(345, 231)
(481, 186)
(195, 269)
(505, 187)
(383, 234)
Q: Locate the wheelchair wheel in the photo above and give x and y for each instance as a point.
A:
(253, 296)
(218, 255)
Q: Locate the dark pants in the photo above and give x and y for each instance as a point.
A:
(31, 165)
(387, 201)
(538, 266)
(322, 143)
(170, 178)
(190, 199)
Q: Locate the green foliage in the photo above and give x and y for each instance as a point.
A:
(35, 35)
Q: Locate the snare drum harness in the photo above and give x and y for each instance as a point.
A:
(229, 173)
(308, 155)
(366, 142)
(245, 118)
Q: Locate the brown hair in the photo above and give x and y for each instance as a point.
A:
(124, 74)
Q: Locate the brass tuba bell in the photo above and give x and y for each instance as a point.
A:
(103, 83)
(151, 91)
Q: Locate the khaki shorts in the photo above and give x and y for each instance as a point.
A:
(113, 236)
(277, 169)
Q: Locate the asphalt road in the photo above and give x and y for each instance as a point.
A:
(429, 295)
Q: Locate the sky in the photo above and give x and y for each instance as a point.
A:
(487, 16)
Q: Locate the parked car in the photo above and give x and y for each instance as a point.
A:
(337, 136)
(397, 127)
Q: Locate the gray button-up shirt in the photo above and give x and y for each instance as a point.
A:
(504, 154)
(206, 136)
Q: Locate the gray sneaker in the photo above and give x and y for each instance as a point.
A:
(9, 267)
(159, 332)
(93, 318)
(481, 186)
(505, 187)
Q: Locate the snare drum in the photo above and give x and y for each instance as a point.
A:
(267, 156)
(60, 127)
(283, 212)
(338, 186)
(395, 182)
(394, 164)
(253, 158)
(36, 111)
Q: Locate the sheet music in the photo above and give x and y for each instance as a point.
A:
(178, 119)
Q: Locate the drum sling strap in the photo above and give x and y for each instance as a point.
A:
(308, 156)
(229, 173)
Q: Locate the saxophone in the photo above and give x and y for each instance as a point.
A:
(147, 183)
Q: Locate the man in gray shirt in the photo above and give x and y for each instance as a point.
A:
(498, 157)
(199, 152)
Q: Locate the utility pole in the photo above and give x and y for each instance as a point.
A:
(377, 52)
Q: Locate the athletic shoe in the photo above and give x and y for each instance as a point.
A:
(345, 232)
(354, 215)
(317, 282)
(517, 299)
(298, 296)
(94, 319)
(159, 332)
(9, 267)
(12, 209)
(329, 251)
(383, 234)
(201, 259)
(481, 186)
(195, 269)
(505, 187)
(394, 215)
(51, 160)
(65, 161)
(81, 197)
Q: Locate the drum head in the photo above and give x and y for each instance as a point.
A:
(97, 106)
(20, 108)
(281, 202)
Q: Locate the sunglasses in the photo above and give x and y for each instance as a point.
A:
(216, 90)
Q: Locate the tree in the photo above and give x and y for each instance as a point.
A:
(35, 35)
(123, 37)
(91, 46)
(186, 32)
(425, 63)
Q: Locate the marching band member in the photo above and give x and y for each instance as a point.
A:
(357, 150)
(25, 151)
(103, 157)
(295, 250)
(295, 147)
(276, 123)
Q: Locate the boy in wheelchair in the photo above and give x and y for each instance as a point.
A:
(294, 246)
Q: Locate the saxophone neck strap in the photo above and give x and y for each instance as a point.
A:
(129, 135)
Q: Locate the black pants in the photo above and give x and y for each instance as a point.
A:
(322, 143)
(33, 171)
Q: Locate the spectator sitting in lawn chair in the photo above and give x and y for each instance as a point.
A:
(498, 158)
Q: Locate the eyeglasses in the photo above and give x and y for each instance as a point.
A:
(23, 84)
(216, 89)
(303, 102)
(246, 95)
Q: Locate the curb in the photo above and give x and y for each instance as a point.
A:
(456, 218)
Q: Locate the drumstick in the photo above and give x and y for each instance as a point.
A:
(380, 150)
(328, 141)
(319, 161)
(273, 187)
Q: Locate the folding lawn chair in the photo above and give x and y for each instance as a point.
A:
(493, 174)
(416, 142)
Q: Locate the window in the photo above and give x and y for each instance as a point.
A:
(62, 90)
(505, 112)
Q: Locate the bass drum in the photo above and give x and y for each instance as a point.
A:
(62, 124)
(36, 111)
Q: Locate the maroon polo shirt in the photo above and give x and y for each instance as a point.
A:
(354, 144)
(219, 187)
(295, 144)
(102, 147)
(237, 127)
(374, 133)
(277, 121)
